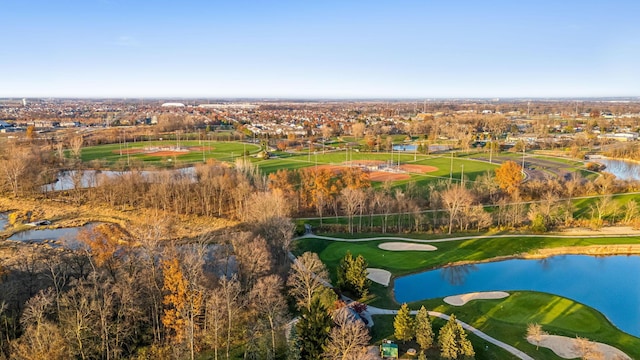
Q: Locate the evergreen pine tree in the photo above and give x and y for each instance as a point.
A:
(357, 276)
(352, 275)
(424, 330)
(343, 270)
(403, 324)
(313, 330)
(453, 342)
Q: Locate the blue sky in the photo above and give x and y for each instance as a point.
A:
(328, 49)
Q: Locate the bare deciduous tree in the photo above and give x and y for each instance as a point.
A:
(75, 144)
(268, 302)
(357, 130)
(455, 199)
(307, 275)
(587, 350)
(348, 339)
(253, 257)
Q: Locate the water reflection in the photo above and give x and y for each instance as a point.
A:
(456, 275)
(66, 237)
(624, 170)
(608, 284)
(548, 262)
(3, 220)
(413, 148)
(68, 180)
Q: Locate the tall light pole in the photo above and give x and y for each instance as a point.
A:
(523, 148)
(451, 169)
(490, 151)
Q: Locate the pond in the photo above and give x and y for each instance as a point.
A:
(413, 148)
(609, 284)
(3, 220)
(67, 180)
(65, 236)
(624, 170)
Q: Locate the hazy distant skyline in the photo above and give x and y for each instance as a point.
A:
(319, 49)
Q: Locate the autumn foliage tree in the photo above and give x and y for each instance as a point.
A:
(104, 245)
(509, 176)
(182, 303)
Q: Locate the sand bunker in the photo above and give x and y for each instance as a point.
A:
(459, 300)
(401, 246)
(565, 347)
(379, 276)
(418, 168)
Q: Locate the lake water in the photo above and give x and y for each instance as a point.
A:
(3, 220)
(609, 284)
(413, 148)
(90, 178)
(66, 236)
(625, 170)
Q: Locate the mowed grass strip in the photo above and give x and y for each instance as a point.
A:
(472, 250)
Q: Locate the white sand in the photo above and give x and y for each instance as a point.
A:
(379, 276)
(565, 347)
(401, 246)
(459, 300)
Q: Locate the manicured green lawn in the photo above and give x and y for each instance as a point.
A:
(507, 320)
(228, 151)
(445, 166)
(219, 150)
(404, 262)
(383, 329)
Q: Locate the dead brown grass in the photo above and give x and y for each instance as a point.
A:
(624, 249)
(66, 215)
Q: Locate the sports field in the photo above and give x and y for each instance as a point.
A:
(164, 153)
(397, 167)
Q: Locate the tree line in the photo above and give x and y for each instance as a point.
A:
(241, 192)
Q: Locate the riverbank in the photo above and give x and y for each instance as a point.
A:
(136, 221)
